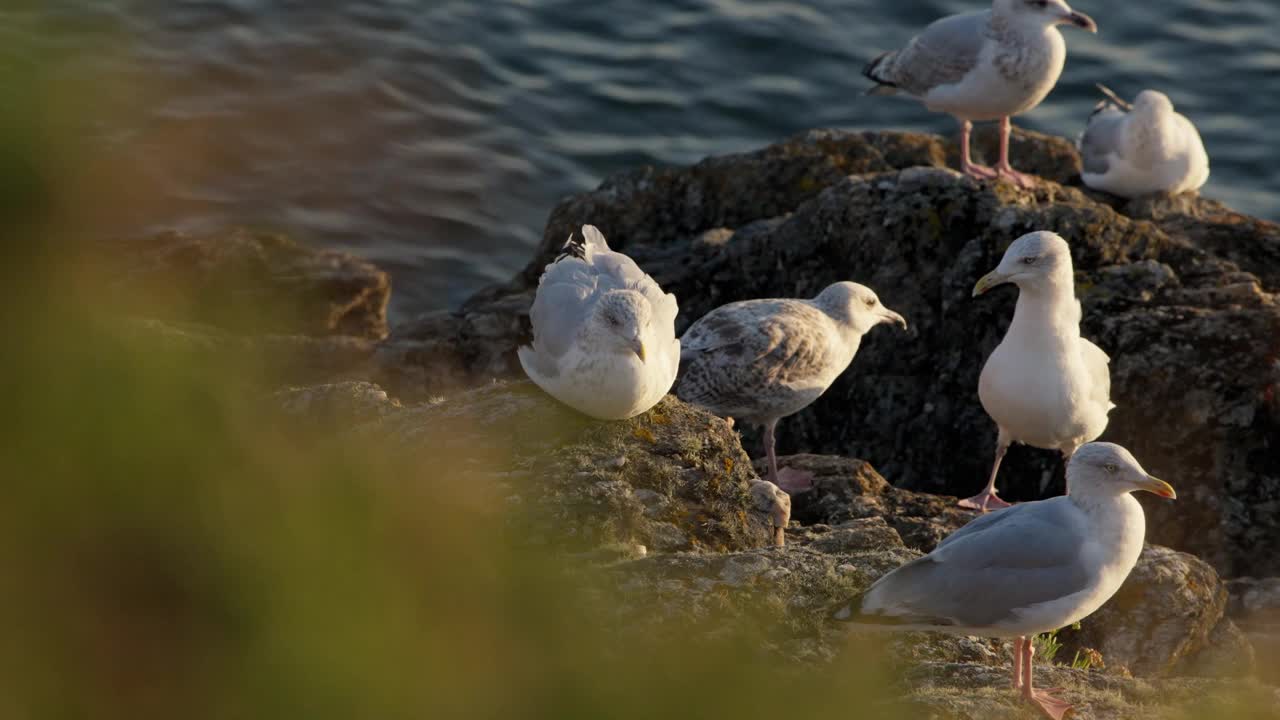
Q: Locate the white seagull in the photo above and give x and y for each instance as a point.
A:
(979, 66)
(1143, 148)
(1027, 569)
(1044, 385)
(604, 340)
(762, 360)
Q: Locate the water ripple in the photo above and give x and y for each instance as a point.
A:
(435, 139)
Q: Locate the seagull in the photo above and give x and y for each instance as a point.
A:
(762, 360)
(604, 340)
(988, 65)
(1044, 385)
(1143, 148)
(1027, 569)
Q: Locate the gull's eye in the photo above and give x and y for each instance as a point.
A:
(1111, 468)
(1028, 261)
(871, 302)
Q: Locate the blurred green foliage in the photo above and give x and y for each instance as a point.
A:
(168, 549)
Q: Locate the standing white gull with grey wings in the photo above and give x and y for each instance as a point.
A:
(1143, 148)
(1027, 569)
(1044, 385)
(981, 66)
(604, 340)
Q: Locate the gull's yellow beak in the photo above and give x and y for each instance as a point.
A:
(987, 282)
(639, 349)
(1156, 486)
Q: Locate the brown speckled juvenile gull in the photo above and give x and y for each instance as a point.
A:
(762, 360)
(978, 66)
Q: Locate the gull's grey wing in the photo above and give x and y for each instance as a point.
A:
(940, 55)
(571, 285)
(616, 271)
(1102, 137)
(733, 355)
(565, 298)
(984, 573)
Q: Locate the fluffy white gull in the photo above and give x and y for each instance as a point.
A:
(1027, 569)
(1044, 385)
(762, 360)
(604, 338)
(1143, 148)
(978, 66)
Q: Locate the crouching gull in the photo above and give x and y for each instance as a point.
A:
(1044, 385)
(1131, 150)
(1027, 569)
(604, 338)
(762, 360)
(979, 66)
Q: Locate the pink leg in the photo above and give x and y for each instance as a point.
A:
(987, 499)
(768, 451)
(967, 166)
(1044, 700)
(1019, 647)
(1003, 168)
(792, 481)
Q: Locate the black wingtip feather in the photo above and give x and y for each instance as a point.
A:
(851, 612)
(884, 86)
(576, 247)
(870, 69)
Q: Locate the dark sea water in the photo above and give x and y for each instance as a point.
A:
(434, 137)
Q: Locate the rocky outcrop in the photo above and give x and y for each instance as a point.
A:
(1168, 611)
(1167, 619)
(674, 478)
(781, 600)
(1180, 293)
(252, 282)
(662, 517)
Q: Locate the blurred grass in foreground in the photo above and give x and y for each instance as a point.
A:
(169, 550)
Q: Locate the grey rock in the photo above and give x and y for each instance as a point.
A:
(685, 484)
(1181, 294)
(343, 403)
(1167, 618)
(252, 282)
(1165, 613)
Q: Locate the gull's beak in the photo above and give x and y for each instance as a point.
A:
(638, 348)
(988, 281)
(893, 317)
(1157, 486)
(1080, 20)
(1113, 97)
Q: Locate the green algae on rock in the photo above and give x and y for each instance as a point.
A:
(673, 478)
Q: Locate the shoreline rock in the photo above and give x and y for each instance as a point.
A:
(1193, 334)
